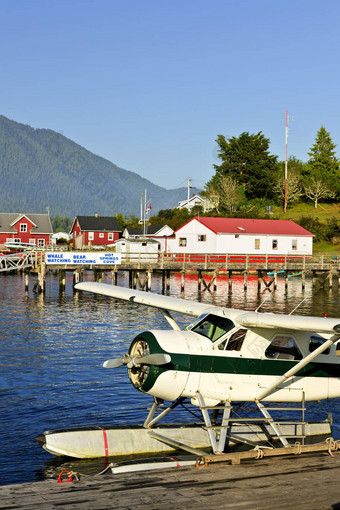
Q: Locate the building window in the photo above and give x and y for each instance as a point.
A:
(182, 241)
(23, 227)
(202, 237)
(91, 236)
(32, 241)
(274, 244)
(101, 235)
(257, 244)
(110, 236)
(41, 243)
(294, 244)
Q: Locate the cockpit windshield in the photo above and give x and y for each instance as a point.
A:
(211, 326)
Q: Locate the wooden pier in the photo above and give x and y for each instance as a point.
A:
(300, 482)
(323, 270)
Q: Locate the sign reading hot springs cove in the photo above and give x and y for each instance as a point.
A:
(77, 258)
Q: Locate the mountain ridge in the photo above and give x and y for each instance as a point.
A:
(67, 178)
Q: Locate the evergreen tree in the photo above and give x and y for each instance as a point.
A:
(323, 165)
(247, 159)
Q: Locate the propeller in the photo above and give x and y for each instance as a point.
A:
(134, 361)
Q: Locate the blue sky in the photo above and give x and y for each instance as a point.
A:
(150, 84)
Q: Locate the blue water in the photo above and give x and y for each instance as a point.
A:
(51, 354)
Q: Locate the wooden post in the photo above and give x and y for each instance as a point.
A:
(130, 279)
(163, 282)
(182, 280)
(330, 278)
(258, 281)
(40, 284)
(76, 277)
(314, 279)
(215, 280)
(114, 276)
(62, 280)
(230, 281)
(245, 280)
(167, 282)
(286, 282)
(134, 285)
(303, 280)
(275, 280)
(98, 275)
(199, 280)
(148, 282)
(26, 282)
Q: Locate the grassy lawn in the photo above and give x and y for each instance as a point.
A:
(323, 212)
(326, 248)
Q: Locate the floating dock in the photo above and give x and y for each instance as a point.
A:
(308, 481)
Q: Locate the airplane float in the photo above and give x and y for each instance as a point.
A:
(223, 357)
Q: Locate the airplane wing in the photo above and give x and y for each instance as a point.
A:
(184, 306)
(250, 320)
(254, 320)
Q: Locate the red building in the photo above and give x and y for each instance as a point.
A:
(94, 231)
(25, 228)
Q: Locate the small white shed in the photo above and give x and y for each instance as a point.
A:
(159, 233)
(138, 249)
(241, 236)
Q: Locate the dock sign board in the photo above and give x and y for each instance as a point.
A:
(82, 258)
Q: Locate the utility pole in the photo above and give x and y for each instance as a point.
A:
(188, 190)
(286, 165)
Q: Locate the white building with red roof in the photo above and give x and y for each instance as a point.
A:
(241, 236)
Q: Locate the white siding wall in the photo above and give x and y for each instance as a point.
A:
(191, 233)
(228, 243)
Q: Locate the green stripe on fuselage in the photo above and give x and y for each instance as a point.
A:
(231, 365)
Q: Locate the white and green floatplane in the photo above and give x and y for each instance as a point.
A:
(225, 356)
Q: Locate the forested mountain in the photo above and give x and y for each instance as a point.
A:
(41, 168)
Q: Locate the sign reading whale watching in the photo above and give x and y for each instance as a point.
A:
(82, 258)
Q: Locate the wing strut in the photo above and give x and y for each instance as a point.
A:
(300, 365)
(171, 320)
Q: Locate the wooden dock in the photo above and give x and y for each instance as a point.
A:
(300, 482)
(141, 266)
(323, 270)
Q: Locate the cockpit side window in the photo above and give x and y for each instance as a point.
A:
(234, 342)
(212, 326)
(283, 347)
(316, 341)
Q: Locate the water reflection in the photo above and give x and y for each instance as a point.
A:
(52, 349)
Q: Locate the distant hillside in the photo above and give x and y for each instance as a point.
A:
(41, 168)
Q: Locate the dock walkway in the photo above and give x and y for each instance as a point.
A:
(302, 482)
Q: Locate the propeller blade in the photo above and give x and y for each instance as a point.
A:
(114, 363)
(132, 361)
(153, 359)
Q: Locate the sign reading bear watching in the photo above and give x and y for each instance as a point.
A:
(82, 258)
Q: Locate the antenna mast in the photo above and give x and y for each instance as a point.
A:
(286, 165)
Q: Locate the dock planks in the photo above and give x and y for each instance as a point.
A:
(303, 482)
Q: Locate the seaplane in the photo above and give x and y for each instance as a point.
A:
(222, 358)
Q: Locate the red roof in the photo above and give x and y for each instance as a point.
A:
(251, 226)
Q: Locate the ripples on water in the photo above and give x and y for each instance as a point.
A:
(52, 349)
